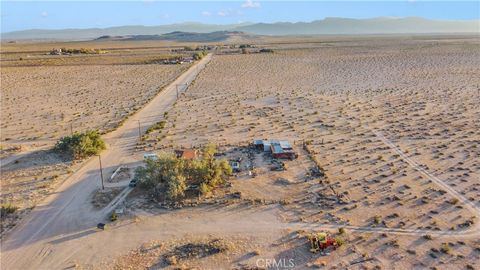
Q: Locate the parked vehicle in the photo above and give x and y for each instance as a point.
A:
(151, 156)
(133, 183)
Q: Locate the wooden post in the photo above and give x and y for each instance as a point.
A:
(101, 171)
(139, 131)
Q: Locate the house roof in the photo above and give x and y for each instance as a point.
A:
(187, 153)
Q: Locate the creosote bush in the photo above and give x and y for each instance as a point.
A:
(7, 209)
(81, 145)
(169, 176)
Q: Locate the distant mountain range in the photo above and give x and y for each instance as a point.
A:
(183, 36)
(327, 26)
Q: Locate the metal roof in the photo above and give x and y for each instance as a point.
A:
(276, 149)
(285, 145)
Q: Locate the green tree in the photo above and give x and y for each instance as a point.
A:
(176, 186)
(81, 145)
(169, 176)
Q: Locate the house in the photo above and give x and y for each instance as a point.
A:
(187, 153)
(282, 153)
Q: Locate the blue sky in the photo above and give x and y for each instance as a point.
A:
(21, 15)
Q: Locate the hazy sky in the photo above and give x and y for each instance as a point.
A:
(21, 15)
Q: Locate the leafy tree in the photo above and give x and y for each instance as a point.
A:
(169, 176)
(81, 145)
(199, 55)
(176, 186)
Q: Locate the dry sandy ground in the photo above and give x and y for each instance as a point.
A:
(40, 104)
(423, 95)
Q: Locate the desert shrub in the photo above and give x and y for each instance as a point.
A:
(157, 126)
(341, 230)
(8, 209)
(427, 237)
(169, 176)
(340, 241)
(113, 216)
(453, 201)
(81, 145)
(445, 248)
(377, 219)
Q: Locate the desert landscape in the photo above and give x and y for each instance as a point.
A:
(54, 96)
(383, 131)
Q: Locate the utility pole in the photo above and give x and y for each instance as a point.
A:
(101, 171)
(176, 87)
(139, 131)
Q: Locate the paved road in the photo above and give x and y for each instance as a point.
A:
(69, 210)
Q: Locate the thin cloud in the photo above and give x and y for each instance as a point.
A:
(206, 13)
(223, 13)
(250, 4)
(44, 14)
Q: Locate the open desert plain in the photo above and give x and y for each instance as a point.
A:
(383, 132)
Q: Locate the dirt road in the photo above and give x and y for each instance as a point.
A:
(68, 210)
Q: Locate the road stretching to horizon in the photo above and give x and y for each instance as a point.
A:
(68, 209)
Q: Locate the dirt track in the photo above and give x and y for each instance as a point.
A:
(68, 210)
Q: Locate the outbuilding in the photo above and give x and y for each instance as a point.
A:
(187, 153)
(278, 148)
